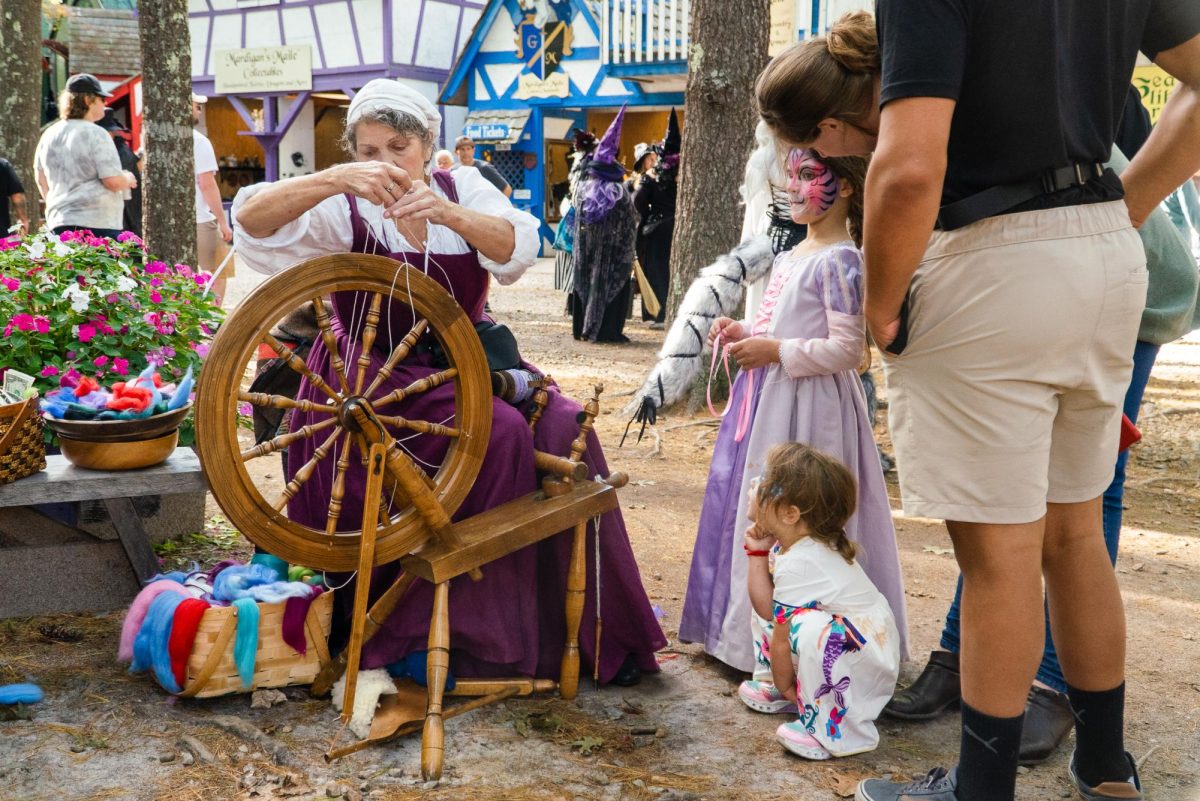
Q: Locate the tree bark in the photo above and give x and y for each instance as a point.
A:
(168, 171)
(728, 49)
(21, 98)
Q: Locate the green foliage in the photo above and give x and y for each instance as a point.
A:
(79, 305)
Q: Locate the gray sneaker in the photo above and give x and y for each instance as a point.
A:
(1128, 790)
(938, 785)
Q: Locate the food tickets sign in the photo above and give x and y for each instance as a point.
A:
(264, 69)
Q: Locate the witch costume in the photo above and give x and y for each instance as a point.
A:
(655, 204)
(512, 620)
(605, 228)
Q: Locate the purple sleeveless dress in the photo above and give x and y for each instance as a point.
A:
(512, 621)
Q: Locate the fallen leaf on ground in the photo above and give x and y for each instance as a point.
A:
(934, 549)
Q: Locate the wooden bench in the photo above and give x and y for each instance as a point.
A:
(46, 566)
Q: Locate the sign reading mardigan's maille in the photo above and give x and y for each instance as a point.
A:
(542, 48)
(264, 69)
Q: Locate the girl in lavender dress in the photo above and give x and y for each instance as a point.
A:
(798, 382)
(826, 635)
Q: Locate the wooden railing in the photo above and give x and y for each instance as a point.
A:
(644, 31)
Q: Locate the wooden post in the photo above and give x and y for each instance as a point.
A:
(568, 681)
(437, 667)
(362, 587)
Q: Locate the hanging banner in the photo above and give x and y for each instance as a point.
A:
(263, 69)
(1154, 85)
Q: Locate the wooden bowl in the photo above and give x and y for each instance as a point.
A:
(119, 430)
(133, 455)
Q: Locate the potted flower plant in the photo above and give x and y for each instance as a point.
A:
(76, 306)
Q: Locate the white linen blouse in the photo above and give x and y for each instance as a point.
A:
(326, 229)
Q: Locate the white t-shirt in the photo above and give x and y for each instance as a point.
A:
(206, 161)
(325, 229)
(75, 155)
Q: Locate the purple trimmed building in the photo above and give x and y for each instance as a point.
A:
(261, 132)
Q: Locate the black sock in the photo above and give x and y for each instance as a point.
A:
(987, 762)
(1100, 735)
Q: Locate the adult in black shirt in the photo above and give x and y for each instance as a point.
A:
(976, 95)
(464, 146)
(131, 218)
(12, 191)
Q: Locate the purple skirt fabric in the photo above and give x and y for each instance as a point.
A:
(513, 620)
(708, 588)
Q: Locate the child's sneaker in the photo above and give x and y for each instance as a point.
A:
(761, 696)
(795, 738)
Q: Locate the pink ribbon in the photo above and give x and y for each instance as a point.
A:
(743, 418)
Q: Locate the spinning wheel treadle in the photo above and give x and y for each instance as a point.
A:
(350, 417)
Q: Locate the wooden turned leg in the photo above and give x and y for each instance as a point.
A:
(568, 682)
(437, 668)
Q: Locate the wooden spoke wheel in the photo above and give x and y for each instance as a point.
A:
(357, 411)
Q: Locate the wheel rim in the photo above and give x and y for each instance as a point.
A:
(220, 391)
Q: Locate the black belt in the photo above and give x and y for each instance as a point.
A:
(998, 199)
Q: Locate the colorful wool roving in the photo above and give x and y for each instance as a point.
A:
(160, 627)
(82, 397)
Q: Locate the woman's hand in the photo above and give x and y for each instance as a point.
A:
(420, 203)
(757, 540)
(755, 352)
(727, 328)
(376, 182)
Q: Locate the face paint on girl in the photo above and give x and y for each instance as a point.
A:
(812, 187)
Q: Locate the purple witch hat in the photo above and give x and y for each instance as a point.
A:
(602, 175)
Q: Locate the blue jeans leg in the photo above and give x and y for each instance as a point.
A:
(1049, 672)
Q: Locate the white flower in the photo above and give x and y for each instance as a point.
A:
(126, 284)
(62, 249)
(78, 297)
(37, 248)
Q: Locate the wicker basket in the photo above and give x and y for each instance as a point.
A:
(211, 670)
(22, 448)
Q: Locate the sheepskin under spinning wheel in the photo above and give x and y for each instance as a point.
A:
(405, 510)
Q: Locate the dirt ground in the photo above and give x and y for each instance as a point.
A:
(681, 734)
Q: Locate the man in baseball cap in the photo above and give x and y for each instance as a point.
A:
(86, 84)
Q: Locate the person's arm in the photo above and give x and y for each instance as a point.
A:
(903, 193)
(1172, 153)
(119, 183)
(758, 574)
(212, 198)
(18, 204)
(284, 201)
(42, 183)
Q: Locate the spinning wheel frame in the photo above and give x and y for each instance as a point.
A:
(220, 391)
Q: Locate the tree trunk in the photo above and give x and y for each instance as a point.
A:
(21, 99)
(728, 49)
(168, 171)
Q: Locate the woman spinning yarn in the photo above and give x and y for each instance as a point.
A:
(458, 230)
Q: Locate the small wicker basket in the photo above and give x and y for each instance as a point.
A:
(211, 670)
(22, 447)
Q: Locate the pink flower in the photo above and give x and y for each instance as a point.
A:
(86, 332)
(155, 297)
(156, 281)
(11, 284)
(120, 366)
(23, 322)
(184, 270)
(49, 370)
(70, 378)
(8, 330)
(70, 236)
(201, 279)
(201, 349)
(42, 324)
(154, 267)
(111, 299)
(100, 361)
(10, 243)
(129, 236)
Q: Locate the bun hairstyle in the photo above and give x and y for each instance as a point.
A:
(827, 76)
(819, 486)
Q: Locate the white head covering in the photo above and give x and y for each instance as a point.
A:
(387, 93)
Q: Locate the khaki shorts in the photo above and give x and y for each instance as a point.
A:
(1021, 336)
(211, 249)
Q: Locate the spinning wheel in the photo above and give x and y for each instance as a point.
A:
(351, 415)
(405, 510)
